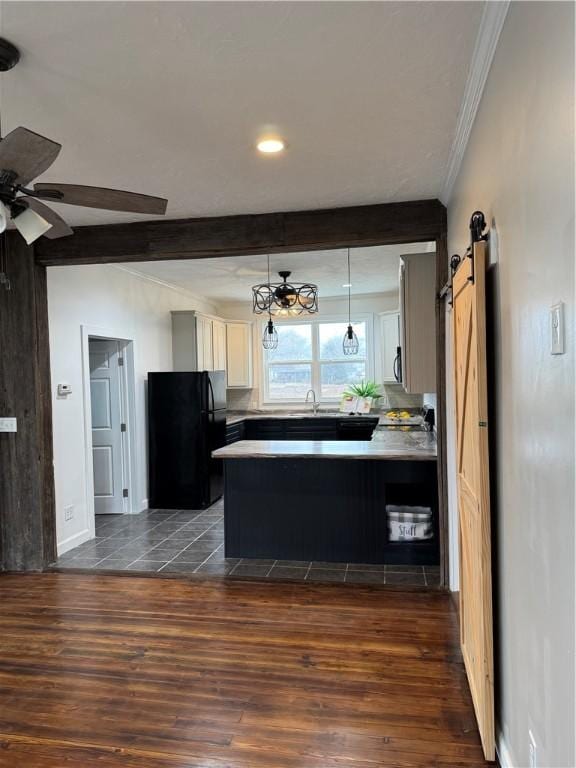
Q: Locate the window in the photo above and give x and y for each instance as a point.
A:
(309, 356)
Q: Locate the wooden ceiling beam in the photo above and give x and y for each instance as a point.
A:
(383, 224)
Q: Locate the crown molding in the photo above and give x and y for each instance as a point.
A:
(491, 23)
(164, 283)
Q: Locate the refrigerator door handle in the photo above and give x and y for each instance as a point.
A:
(211, 393)
(398, 365)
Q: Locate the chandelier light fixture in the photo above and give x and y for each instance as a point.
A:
(270, 335)
(350, 344)
(284, 299)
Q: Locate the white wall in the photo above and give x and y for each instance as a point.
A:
(519, 169)
(371, 305)
(122, 305)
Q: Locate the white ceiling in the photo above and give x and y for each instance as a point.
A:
(373, 270)
(169, 98)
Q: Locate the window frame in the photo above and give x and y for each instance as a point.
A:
(315, 362)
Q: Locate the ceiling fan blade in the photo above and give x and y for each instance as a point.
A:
(31, 225)
(27, 154)
(100, 197)
(59, 227)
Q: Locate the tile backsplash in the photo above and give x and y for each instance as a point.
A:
(242, 399)
(396, 397)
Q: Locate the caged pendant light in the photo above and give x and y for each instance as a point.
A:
(350, 344)
(270, 335)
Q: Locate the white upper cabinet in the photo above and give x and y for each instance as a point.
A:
(390, 341)
(192, 342)
(418, 322)
(184, 342)
(219, 344)
(203, 343)
(239, 355)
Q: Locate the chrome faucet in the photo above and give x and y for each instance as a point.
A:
(314, 402)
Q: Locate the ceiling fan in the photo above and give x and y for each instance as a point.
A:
(24, 155)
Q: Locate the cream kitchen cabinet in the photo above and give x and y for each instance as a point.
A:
(239, 355)
(219, 345)
(192, 342)
(390, 341)
(418, 322)
(205, 344)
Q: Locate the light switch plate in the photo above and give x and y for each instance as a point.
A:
(557, 329)
(8, 424)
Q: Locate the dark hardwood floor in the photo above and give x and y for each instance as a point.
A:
(102, 671)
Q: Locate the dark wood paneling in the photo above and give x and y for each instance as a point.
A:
(237, 235)
(126, 672)
(27, 521)
(441, 278)
(327, 511)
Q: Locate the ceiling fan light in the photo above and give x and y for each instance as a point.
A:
(284, 299)
(31, 225)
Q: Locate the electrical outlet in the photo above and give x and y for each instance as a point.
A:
(69, 513)
(8, 424)
(532, 751)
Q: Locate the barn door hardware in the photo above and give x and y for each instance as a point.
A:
(477, 227)
(447, 289)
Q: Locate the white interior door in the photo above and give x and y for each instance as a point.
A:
(106, 411)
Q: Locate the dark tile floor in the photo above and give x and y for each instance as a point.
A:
(191, 542)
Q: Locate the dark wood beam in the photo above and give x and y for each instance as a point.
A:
(27, 519)
(384, 224)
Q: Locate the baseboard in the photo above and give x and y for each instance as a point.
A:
(503, 752)
(73, 541)
(455, 596)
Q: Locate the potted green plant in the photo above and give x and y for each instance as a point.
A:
(359, 398)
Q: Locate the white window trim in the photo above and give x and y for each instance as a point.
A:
(316, 320)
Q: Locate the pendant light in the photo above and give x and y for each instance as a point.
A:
(350, 344)
(270, 335)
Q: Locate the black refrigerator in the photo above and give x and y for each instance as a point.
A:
(186, 422)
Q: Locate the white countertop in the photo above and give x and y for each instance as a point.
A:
(403, 446)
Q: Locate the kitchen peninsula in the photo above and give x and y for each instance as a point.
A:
(326, 500)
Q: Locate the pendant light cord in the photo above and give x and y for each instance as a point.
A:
(269, 311)
(349, 291)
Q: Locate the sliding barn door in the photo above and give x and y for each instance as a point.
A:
(469, 315)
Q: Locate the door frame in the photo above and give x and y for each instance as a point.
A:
(128, 415)
(208, 237)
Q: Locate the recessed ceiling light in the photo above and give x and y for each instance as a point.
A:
(271, 146)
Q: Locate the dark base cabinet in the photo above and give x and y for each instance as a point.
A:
(312, 428)
(235, 432)
(329, 511)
